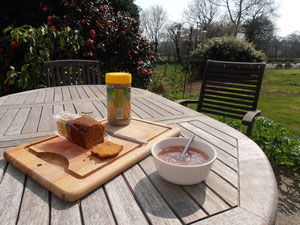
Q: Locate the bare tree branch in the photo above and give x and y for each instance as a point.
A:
(153, 21)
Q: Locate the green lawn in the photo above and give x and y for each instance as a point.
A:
(280, 97)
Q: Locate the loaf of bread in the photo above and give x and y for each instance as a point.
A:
(107, 149)
(83, 131)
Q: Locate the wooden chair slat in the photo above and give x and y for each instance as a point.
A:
(72, 72)
(226, 105)
(230, 95)
(227, 110)
(233, 80)
(234, 71)
(224, 84)
(247, 103)
(218, 89)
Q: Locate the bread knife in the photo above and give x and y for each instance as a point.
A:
(126, 137)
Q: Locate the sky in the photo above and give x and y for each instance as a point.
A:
(287, 22)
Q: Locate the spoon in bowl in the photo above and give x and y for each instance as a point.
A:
(187, 146)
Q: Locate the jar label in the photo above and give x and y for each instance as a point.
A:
(118, 103)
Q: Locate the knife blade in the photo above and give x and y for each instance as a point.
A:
(126, 137)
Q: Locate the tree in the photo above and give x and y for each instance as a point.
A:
(153, 22)
(202, 12)
(174, 32)
(260, 31)
(240, 10)
(127, 6)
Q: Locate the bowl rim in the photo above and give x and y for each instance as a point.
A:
(184, 166)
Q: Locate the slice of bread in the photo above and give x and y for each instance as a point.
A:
(107, 150)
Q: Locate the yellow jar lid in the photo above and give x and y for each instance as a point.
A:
(118, 78)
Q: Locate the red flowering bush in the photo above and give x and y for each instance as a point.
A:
(32, 47)
(113, 38)
(110, 33)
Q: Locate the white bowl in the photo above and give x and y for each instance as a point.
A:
(183, 174)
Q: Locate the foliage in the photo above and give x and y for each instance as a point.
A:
(168, 80)
(281, 145)
(39, 45)
(110, 35)
(113, 38)
(225, 49)
(288, 65)
(127, 6)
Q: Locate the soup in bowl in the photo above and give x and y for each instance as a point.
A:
(192, 168)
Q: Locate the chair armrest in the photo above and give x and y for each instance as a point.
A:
(249, 117)
(187, 101)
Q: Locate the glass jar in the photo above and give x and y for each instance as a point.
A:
(118, 87)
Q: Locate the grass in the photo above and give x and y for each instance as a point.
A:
(280, 97)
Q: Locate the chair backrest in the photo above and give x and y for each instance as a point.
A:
(72, 72)
(230, 89)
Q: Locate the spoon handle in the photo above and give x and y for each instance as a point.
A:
(187, 146)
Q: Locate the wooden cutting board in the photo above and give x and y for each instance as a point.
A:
(70, 171)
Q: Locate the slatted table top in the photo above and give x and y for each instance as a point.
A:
(241, 189)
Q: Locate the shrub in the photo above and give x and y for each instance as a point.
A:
(279, 66)
(224, 49)
(35, 46)
(112, 37)
(281, 145)
(168, 81)
(288, 65)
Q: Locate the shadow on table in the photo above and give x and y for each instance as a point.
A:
(167, 195)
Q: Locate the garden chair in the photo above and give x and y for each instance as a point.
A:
(72, 72)
(231, 89)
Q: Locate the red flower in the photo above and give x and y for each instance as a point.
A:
(45, 9)
(98, 24)
(53, 27)
(85, 54)
(89, 42)
(65, 17)
(93, 32)
(122, 32)
(93, 47)
(8, 83)
(111, 25)
(70, 55)
(60, 56)
(94, 15)
(49, 23)
(101, 8)
(1, 49)
(91, 54)
(83, 21)
(127, 30)
(49, 17)
(85, 9)
(15, 44)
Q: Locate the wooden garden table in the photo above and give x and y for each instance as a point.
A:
(241, 189)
